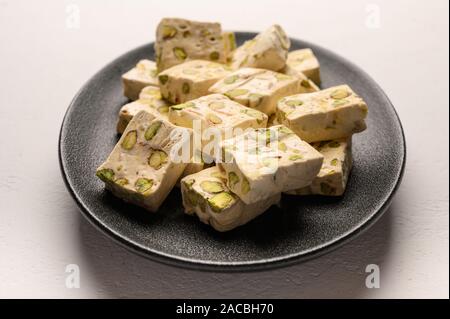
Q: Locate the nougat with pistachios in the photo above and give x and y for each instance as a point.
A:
(181, 40)
(146, 163)
(206, 195)
(329, 114)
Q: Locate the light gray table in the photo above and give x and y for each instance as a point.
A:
(47, 53)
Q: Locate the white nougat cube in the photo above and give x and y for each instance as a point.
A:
(206, 195)
(304, 61)
(330, 114)
(264, 162)
(268, 50)
(190, 80)
(336, 167)
(142, 75)
(181, 40)
(142, 168)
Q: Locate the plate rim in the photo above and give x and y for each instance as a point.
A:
(240, 266)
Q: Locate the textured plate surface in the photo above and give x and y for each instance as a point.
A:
(303, 227)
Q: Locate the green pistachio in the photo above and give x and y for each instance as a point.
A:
(205, 32)
(180, 53)
(259, 116)
(295, 157)
(244, 62)
(233, 178)
(214, 56)
(130, 140)
(216, 105)
(189, 183)
(294, 103)
(231, 79)
(305, 84)
(245, 186)
(105, 174)
(220, 201)
(179, 107)
(163, 78)
(213, 118)
(334, 144)
(152, 130)
(168, 32)
(143, 185)
(212, 187)
(340, 102)
(232, 41)
(186, 88)
(283, 77)
(285, 130)
(219, 175)
(157, 159)
(236, 92)
(121, 181)
(339, 94)
(163, 109)
(282, 147)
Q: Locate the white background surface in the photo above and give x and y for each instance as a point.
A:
(43, 64)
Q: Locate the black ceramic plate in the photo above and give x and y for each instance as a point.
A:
(303, 227)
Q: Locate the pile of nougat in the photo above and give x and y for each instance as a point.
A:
(275, 131)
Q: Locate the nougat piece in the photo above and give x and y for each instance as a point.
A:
(142, 168)
(206, 195)
(258, 89)
(268, 50)
(216, 111)
(264, 162)
(229, 44)
(333, 176)
(304, 61)
(142, 75)
(190, 80)
(180, 40)
(150, 100)
(330, 114)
